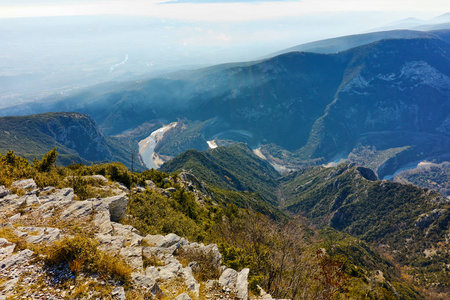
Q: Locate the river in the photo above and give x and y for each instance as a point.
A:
(147, 147)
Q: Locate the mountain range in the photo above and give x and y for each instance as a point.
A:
(391, 95)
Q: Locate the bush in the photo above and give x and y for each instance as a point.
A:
(82, 255)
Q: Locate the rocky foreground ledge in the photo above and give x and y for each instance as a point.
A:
(163, 267)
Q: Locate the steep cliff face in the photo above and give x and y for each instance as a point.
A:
(79, 132)
(76, 136)
(391, 86)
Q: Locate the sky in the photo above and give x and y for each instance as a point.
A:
(217, 10)
(121, 39)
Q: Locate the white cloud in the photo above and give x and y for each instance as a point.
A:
(219, 12)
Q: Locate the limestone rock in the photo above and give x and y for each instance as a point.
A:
(4, 242)
(118, 293)
(6, 250)
(152, 272)
(170, 271)
(151, 184)
(192, 184)
(183, 296)
(111, 244)
(263, 295)
(102, 220)
(231, 280)
(146, 282)
(24, 184)
(41, 234)
(117, 206)
(164, 241)
(9, 285)
(81, 209)
(210, 249)
(133, 256)
(132, 237)
(242, 284)
(9, 202)
(59, 198)
(190, 281)
(29, 200)
(211, 284)
(3, 191)
(159, 252)
(18, 259)
(228, 279)
(15, 217)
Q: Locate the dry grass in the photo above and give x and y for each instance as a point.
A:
(91, 290)
(152, 260)
(174, 288)
(82, 255)
(9, 234)
(206, 268)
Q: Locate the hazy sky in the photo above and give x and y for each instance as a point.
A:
(216, 10)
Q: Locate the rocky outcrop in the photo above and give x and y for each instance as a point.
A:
(24, 184)
(235, 282)
(3, 191)
(157, 262)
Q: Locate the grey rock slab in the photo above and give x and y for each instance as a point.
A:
(263, 295)
(83, 209)
(171, 190)
(170, 270)
(9, 202)
(4, 242)
(152, 272)
(41, 234)
(33, 192)
(153, 240)
(132, 237)
(29, 200)
(6, 251)
(164, 241)
(48, 189)
(117, 206)
(133, 256)
(148, 283)
(111, 244)
(24, 184)
(183, 296)
(242, 284)
(151, 184)
(159, 252)
(60, 198)
(4, 191)
(17, 259)
(102, 220)
(118, 293)
(210, 249)
(228, 278)
(167, 272)
(190, 281)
